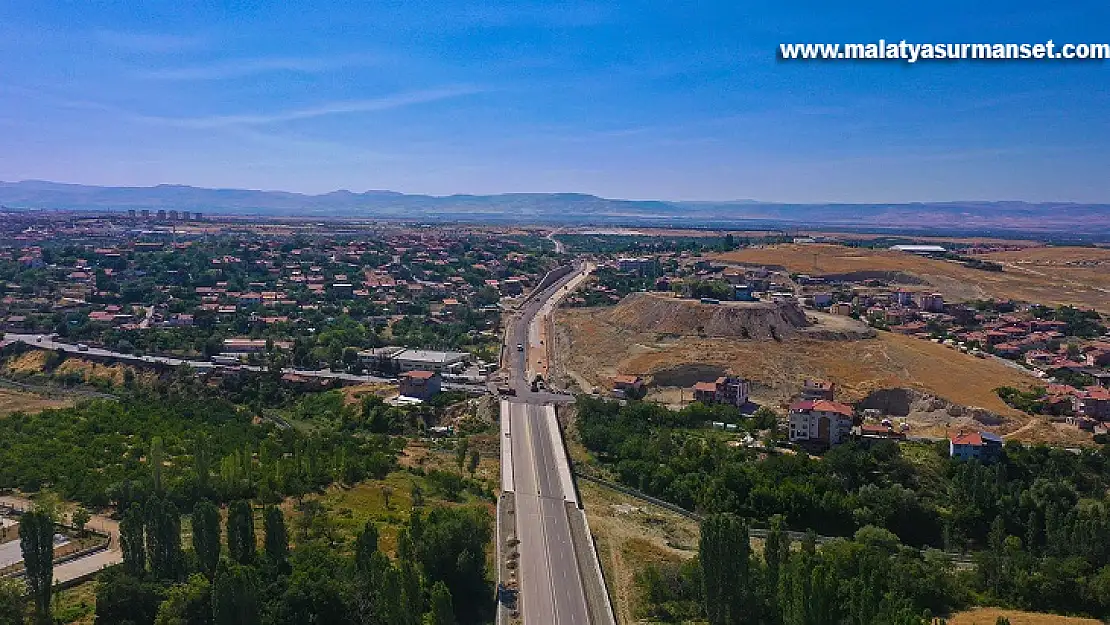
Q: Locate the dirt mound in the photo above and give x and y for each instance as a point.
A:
(646, 312)
(924, 408)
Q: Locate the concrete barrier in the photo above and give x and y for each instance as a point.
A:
(562, 460)
(507, 482)
(595, 561)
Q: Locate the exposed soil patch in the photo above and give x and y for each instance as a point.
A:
(687, 374)
(890, 277)
(648, 312)
(989, 616)
(593, 348)
(927, 413)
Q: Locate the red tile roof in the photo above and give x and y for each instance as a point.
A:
(824, 405)
(971, 438)
(419, 375)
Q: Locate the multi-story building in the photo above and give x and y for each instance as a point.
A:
(819, 424)
(1093, 402)
(933, 302)
(642, 266)
(724, 390)
(420, 384)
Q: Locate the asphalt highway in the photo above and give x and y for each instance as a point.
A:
(551, 585)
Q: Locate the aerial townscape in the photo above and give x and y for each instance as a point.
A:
(527, 423)
(533, 313)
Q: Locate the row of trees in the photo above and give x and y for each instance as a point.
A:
(868, 579)
(438, 575)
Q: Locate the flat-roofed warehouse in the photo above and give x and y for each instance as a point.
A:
(402, 359)
(919, 249)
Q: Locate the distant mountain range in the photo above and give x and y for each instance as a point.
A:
(1083, 220)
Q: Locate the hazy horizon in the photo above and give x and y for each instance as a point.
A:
(574, 193)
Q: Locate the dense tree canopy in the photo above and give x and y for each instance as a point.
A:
(1039, 516)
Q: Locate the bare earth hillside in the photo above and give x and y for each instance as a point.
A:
(597, 344)
(1048, 275)
(648, 312)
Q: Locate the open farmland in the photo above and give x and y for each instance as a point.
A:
(597, 344)
(1062, 275)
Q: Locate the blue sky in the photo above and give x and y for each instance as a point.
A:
(666, 100)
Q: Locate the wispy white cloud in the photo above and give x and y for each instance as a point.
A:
(237, 68)
(158, 43)
(385, 103)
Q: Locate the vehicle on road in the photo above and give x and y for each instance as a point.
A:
(506, 390)
(38, 339)
(81, 347)
(520, 347)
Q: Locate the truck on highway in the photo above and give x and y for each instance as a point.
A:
(225, 360)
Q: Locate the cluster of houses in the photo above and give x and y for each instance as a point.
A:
(257, 275)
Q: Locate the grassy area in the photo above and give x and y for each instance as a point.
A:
(76, 605)
(988, 616)
(350, 508)
(630, 535)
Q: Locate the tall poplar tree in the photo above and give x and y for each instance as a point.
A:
(776, 551)
(206, 537)
(36, 542)
(240, 532)
(276, 539)
(132, 538)
(724, 552)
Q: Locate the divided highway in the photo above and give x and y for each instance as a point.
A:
(560, 579)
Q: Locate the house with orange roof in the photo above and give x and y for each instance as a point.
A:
(981, 446)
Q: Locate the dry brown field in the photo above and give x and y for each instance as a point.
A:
(16, 401)
(1062, 275)
(988, 616)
